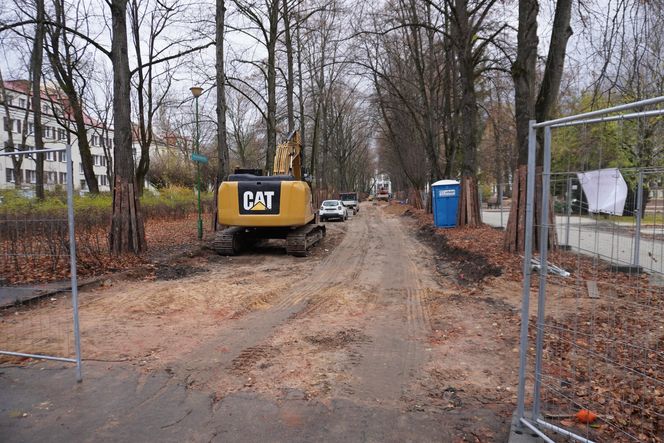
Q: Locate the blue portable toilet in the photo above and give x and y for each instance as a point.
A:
(445, 203)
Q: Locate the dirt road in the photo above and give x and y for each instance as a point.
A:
(362, 341)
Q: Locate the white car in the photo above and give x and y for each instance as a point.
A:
(333, 209)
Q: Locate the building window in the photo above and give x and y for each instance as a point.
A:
(95, 140)
(80, 168)
(9, 177)
(49, 156)
(62, 178)
(84, 184)
(12, 125)
(21, 103)
(31, 128)
(61, 134)
(45, 109)
(30, 176)
(102, 180)
(62, 156)
(99, 160)
(51, 177)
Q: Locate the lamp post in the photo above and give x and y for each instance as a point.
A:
(196, 91)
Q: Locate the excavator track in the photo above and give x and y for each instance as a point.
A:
(228, 241)
(301, 239)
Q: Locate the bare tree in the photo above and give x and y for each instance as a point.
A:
(529, 106)
(265, 21)
(290, 76)
(127, 231)
(152, 21)
(68, 62)
(222, 141)
(243, 130)
(36, 68)
(406, 67)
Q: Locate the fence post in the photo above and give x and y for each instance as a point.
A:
(544, 251)
(569, 210)
(72, 260)
(637, 234)
(527, 271)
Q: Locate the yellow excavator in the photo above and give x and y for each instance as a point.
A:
(255, 207)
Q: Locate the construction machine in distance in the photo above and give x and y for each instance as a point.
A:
(255, 207)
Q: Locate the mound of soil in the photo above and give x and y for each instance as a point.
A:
(469, 267)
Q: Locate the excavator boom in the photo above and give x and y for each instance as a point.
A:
(288, 157)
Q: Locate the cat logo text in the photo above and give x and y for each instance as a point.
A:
(259, 201)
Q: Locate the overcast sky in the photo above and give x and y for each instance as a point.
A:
(12, 60)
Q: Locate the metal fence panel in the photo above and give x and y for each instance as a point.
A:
(592, 357)
(39, 315)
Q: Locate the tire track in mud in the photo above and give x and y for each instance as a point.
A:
(344, 270)
(377, 254)
(344, 261)
(218, 363)
(390, 360)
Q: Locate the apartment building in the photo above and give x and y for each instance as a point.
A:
(55, 120)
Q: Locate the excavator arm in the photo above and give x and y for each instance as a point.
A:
(288, 157)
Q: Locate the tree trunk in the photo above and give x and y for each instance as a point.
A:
(423, 78)
(37, 59)
(555, 61)
(272, 87)
(127, 230)
(526, 109)
(516, 227)
(469, 209)
(143, 133)
(469, 205)
(222, 141)
(290, 80)
(449, 111)
(303, 132)
(84, 149)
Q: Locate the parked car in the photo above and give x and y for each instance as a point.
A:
(350, 200)
(333, 209)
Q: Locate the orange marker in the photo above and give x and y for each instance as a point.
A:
(585, 416)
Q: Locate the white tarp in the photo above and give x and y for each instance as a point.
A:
(605, 189)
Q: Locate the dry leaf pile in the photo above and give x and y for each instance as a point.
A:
(31, 256)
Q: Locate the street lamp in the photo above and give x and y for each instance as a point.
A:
(196, 91)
